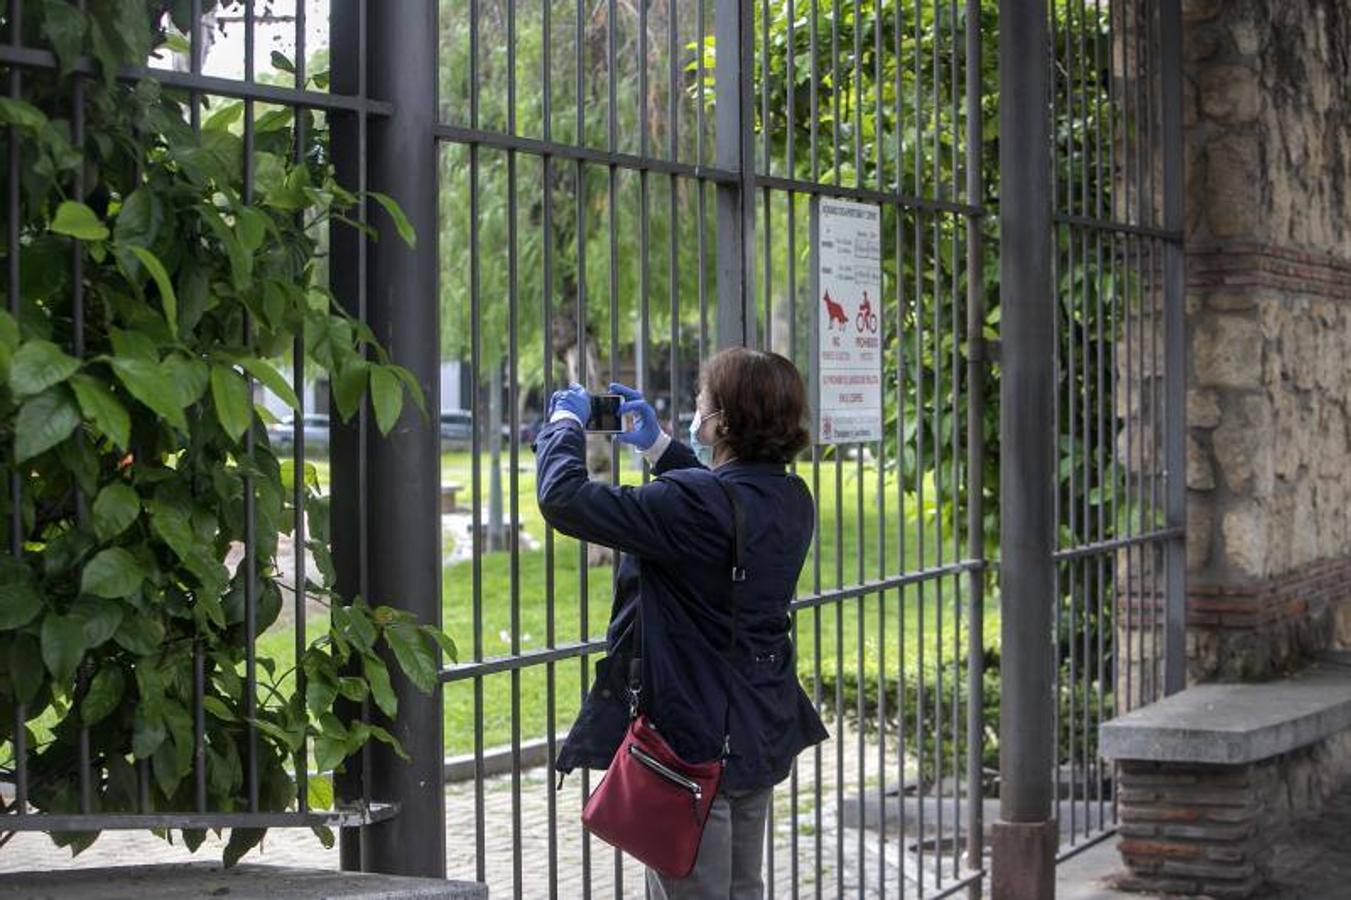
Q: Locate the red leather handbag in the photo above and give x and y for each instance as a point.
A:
(652, 804)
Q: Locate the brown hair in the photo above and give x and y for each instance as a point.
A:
(762, 401)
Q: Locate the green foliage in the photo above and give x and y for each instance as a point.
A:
(133, 436)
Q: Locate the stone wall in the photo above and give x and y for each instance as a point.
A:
(1267, 119)
(1209, 829)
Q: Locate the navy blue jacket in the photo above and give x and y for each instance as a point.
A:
(675, 539)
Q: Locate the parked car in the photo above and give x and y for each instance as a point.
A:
(457, 429)
(315, 425)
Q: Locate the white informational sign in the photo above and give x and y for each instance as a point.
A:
(849, 322)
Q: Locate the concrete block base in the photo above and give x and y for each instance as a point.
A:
(1024, 860)
(244, 882)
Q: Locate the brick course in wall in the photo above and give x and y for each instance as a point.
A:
(1261, 629)
(1210, 829)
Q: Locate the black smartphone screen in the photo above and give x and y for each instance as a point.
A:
(605, 416)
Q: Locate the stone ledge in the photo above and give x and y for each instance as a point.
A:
(1235, 723)
(243, 882)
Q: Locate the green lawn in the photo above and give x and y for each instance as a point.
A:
(521, 596)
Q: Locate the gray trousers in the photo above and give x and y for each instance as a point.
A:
(731, 851)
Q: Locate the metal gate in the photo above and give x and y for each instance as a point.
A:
(609, 190)
(625, 188)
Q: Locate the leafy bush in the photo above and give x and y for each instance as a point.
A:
(127, 424)
(922, 738)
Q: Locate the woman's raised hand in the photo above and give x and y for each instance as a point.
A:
(574, 399)
(645, 430)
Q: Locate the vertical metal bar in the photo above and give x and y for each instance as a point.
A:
(1174, 325)
(581, 337)
(348, 443)
(250, 564)
(476, 449)
(298, 459)
(513, 462)
(700, 88)
(733, 24)
(835, 92)
(901, 650)
(975, 450)
(78, 350)
(16, 528)
(547, 364)
(405, 464)
(1025, 837)
(793, 786)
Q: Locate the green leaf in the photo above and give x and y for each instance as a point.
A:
(223, 118)
(270, 378)
(413, 654)
(21, 114)
(377, 675)
(112, 573)
(140, 220)
(280, 61)
(76, 220)
(414, 389)
(147, 733)
(216, 706)
(105, 692)
(64, 26)
(349, 386)
(329, 752)
(101, 620)
(43, 422)
(324, 834)
(140, 634)
(133, 344)
(447, 645)
(37, 365)
(252, 227)
(172, 521)
(100, 407)
(20, 599)
(319, 791)
(386, 397)
(385, 737)
(177, 43)
(63, 645)
(230, 394)
(147, 383)
(115, 508)
(401, 223)
(189, 377)
(26, 670)
(166, 287)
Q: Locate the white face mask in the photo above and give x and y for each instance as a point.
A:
(703, 452)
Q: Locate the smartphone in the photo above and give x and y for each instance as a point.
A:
(605, 417)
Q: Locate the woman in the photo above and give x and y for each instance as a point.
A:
(675, 537)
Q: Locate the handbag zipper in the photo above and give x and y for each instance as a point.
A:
(666, 771)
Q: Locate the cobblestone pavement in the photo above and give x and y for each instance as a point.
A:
(835, 871)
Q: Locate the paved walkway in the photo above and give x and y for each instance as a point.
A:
(834, 868)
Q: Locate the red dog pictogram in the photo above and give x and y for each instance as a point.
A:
(836, 312)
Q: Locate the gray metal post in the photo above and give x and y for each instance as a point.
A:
(405, 522)
(1174, 350)
(733, 26)
(1025, 836)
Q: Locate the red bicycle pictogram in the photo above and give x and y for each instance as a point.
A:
(866, 319)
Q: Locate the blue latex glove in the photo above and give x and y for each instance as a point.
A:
(645, 430)
(574, 399)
